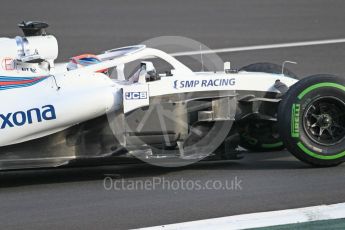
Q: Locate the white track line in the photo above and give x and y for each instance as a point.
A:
(262, 219)
(263, 47)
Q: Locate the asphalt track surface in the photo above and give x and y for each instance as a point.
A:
(75, 198)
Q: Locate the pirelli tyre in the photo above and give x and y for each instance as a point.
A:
(311, 120)
(262, 136)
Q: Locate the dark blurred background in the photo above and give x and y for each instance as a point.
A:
(95, 26)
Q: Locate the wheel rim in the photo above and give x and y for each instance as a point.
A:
(324, 121)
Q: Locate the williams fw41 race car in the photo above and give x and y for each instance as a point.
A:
(90, 109)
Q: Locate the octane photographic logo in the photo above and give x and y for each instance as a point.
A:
(162, 134)
(118, 183)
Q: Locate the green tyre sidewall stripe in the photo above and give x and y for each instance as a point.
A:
(274, 145)
(318, 156)
(319, 85)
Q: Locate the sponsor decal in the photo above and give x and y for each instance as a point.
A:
(8, 64)
(296, 108)
(19, 82)
(30, 116)
(26, 69)
(205, 83)
(135, 95)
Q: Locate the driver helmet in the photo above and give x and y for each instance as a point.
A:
(85, 60)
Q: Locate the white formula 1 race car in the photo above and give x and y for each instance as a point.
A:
(55, 114)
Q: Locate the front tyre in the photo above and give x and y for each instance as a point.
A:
(311, 120)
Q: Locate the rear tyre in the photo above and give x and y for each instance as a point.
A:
(311, 120)
(260, 136)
